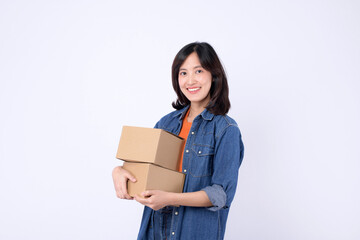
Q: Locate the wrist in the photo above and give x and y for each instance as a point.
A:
(173, 199)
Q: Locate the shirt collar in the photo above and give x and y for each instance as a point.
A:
(182, 112)
(206, 115)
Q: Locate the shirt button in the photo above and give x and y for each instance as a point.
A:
(192, 133)
(176, 213)
(184, 170)
(173, 233)
(187, 151)
(199, 152)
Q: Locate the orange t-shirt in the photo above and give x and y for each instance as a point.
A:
(185, 129)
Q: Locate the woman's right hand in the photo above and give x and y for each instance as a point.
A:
(120, 178)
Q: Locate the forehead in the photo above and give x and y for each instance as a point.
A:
(191, 61)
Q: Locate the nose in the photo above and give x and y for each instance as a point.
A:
(191, 79)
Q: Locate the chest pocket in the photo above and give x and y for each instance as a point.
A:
(201, 160)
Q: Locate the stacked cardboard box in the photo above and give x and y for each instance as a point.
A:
(152, 157)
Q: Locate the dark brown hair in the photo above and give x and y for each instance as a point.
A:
(219, 103)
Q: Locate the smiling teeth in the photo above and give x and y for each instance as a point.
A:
(193, 89)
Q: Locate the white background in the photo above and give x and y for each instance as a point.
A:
(72, 73)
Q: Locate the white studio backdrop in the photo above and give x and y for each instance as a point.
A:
(72, 73)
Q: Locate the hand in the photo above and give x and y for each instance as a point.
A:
(120, 178)
(155, 199)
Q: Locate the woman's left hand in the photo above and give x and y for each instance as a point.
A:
(154, 199)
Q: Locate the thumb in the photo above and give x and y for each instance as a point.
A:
(147, 193)
(131, 177)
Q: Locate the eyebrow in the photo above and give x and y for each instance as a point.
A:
(199, 66)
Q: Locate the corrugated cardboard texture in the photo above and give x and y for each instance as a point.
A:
(152, 177)
(150, 145)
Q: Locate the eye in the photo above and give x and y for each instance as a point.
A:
(199, 71)
(182, 73)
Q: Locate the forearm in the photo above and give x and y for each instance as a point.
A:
(194, 199)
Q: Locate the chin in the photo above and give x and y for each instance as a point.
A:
(196, 100)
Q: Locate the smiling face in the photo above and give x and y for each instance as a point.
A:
(195, 81)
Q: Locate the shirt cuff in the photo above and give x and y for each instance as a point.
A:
(217, 197)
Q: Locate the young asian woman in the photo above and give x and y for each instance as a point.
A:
(211, 158)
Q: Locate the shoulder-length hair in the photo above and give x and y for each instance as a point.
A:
(219, 103)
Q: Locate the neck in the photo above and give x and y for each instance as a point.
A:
(196, 109)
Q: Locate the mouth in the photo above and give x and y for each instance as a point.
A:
(193, 90)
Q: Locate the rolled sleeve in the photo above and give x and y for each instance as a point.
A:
(227, 160)
(217, 197)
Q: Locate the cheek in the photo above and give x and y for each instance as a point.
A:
(208, 85)
(181, 82)
(207, 81)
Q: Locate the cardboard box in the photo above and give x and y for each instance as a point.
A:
(150, 145)
(152, 177)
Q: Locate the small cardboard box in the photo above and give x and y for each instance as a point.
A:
(138, 144)
(152, 177)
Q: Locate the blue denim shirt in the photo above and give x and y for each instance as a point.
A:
(212, 157)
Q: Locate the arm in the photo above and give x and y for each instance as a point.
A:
(157, 199)
(229, 152)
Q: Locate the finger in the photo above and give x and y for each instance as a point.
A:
(130, 177)
(141, 200)
(123, 190)
(138, 199)
(118, 191)
(128, 197)
(127, 175)
(147, 193)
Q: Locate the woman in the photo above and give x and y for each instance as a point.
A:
(211, 158)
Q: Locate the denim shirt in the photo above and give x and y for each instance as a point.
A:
(212, 156)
